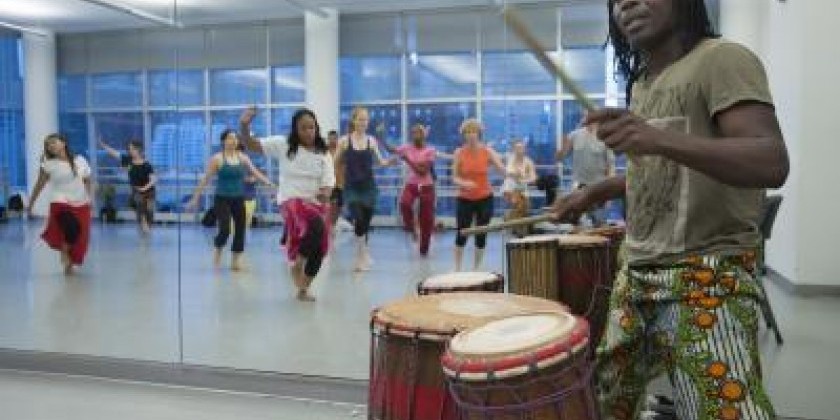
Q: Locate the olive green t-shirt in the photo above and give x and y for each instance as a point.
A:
(674, 211)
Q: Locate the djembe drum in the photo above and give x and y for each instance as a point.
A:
(524, 367)
(408, 338)
(471, 281)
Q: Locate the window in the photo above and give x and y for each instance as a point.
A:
(288, 84)
(177, 152)
(75, 127)
(12, 127)
(515, 73)
(531, 121)
(176, 88)
(586, 66)
(366, 79)
(72, 92)
(116, 90)
(117, 129)
(442, 75)
(12, 141)
(238, 87)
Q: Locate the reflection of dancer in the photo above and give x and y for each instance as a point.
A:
(307, 179)
(337, 195)
(519, 174)
(142, 179)
(470, 172)
(249, 189)
(356, 154)
(419, 186)
(592, 162)
(68, 222)
(687, 299)
(230, 167)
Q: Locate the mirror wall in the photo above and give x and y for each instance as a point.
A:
(159, 296)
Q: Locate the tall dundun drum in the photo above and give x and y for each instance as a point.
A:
(616, 236)
(523, 367)
(572, 269)
(469, 281)
(408, 338)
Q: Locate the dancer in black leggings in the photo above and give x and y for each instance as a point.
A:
(470, 172)
(229, 166)
(357, 152)
(141, 177)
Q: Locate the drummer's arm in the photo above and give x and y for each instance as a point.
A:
(609, 189)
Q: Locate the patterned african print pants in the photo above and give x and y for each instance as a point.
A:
(696, 320)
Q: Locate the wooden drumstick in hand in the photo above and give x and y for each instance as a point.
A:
(521, 30)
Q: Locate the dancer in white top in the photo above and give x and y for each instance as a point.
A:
(307, 179)
(68, 223)
(520, 172)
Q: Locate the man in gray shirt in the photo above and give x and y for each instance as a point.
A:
(592, 162)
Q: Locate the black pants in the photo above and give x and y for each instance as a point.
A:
(144, 205)
(310, 246)
(468, 210)
(362, 216)
(225, 208)
(70, 226)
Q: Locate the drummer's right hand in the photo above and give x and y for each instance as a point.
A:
(568, 208)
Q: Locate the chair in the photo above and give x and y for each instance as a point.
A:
(768, 216)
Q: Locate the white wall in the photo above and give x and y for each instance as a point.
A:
(40, 103)
(794, 39)
(819, 190)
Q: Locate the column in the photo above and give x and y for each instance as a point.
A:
(321, 63)
(40, 102)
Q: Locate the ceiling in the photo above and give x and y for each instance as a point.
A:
(65, 16)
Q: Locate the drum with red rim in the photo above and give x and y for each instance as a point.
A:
(523, 367)
(408, 338)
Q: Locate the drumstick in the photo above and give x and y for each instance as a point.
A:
(523, 221)
(521, 30)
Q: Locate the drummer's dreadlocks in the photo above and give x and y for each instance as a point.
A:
(691, 20)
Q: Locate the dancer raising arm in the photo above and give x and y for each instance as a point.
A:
(307, 179)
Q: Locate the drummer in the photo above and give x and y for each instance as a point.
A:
(699, 107)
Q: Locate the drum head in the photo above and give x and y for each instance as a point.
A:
(459, 280)
(533, 239)
(570, 241)
(512, 346)
(575, 241)
(443, 315)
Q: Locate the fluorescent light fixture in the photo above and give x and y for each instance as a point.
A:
(136, 12)
(24, 29)
(306, 8)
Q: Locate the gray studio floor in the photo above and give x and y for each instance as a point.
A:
(125, 303)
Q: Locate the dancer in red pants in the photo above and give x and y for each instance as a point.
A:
(419, 186)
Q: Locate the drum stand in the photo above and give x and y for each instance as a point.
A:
(767, 310)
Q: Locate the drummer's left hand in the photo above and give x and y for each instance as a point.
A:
(625, 132)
